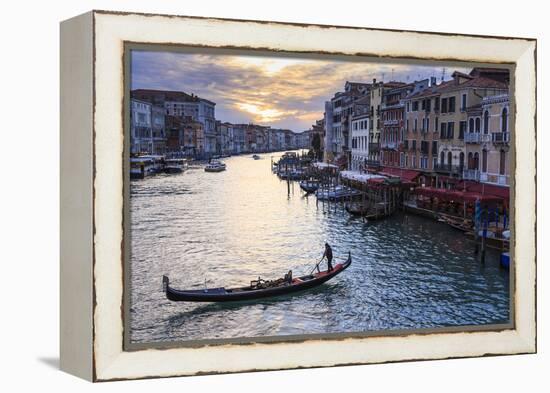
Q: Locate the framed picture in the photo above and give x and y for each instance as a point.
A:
(246, 195)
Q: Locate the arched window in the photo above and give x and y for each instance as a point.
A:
(476, 161)
(504, 126)
(471, 129)
(502, 168)
(486, 122)
(484, 160)
(442, 159)
(449, 159)
(470, 161)
(478, 124)
(461, 162)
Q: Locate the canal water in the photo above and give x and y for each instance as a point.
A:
(226, 229)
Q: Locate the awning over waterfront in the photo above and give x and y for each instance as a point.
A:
(486, 189)
(324, 165)
(457, 195)
(407, 175)
(360, 177)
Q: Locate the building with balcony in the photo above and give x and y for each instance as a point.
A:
(421, 129)
(460, 117)
(338, 113)
(359, 142)
(377, 93)
(238, 139)
(392, 130)
(140, 126)
(180, 104)
(488, 146)
(225, 138)
(158, 141)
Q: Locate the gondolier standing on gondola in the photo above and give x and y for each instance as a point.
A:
(328, 255)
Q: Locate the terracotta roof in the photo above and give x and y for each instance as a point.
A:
(168, 94)
(393, 84)
(462, 75)
(479, 82)
(479, 70)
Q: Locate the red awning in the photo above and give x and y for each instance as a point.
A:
(431, 191)
(376, 180)
(487, 189)
(457, 195)
(404, 174)
(469, 196)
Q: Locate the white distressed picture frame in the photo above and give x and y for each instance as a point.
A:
(92, 225)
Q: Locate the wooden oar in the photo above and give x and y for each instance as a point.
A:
(316, 266)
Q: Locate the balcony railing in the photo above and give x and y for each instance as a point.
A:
(501, 137)
(391, 122)
(374, 146)
(472, 137)
(374, 163)
(389, 145)
(450, 169)
(471, 174)
(495, 178)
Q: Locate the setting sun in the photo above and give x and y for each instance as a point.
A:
(261, 114)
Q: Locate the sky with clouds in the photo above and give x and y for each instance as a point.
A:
(285, 92)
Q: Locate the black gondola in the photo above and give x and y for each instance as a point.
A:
(253, 291)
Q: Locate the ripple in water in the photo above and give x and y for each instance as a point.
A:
(225, 229)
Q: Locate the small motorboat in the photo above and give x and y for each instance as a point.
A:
(256, 157)
(214, 166)
(257, 289)
(309, 186)
(291, 174)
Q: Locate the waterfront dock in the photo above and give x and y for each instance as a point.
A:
(379, 193)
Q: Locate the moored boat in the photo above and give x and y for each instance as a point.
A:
(492, 240)
(256, 157)
(369, 211)
(309, 186)
(337, 193)
(140, 167)
(505, 260)
(174, 165)
(257, 289)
